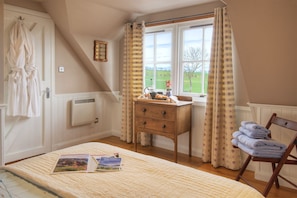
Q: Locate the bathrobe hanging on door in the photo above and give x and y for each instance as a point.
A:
(23, 79)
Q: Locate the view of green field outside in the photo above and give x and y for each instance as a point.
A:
(163, 75)
(193, 62)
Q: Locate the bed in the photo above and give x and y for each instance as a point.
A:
(141, 176)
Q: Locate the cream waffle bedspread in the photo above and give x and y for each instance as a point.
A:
(140, 176)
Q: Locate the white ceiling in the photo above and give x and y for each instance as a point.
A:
(143, 7)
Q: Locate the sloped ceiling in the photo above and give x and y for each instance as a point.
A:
(82, 21)
(103, 18)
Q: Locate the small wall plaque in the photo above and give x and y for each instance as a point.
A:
(100, 51)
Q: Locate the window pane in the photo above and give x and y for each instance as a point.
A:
(149, 47)
(207, 41)
(196, 57)
(149, 75)
(162, 75)
(206, 72)
(192, 44)
(206, 66)
(192, 78)
(157, 59)
(163, 42)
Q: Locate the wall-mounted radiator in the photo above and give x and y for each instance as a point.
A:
(83, 111)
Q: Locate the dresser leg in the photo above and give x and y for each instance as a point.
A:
(190, 143)
(135, 142)
(151, 139)
(175, 149)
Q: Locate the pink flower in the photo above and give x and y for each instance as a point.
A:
(168, 84)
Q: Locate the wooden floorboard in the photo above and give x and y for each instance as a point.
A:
(197, 163)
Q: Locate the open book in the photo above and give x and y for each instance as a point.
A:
(75, 163)
(108, 163)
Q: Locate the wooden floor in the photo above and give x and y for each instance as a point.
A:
(196, 162)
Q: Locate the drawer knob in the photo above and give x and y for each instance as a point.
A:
(144, 110)
(144, 123)
(164, 126)
(163, 112)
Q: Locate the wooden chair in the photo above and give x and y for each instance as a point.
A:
(277, 163)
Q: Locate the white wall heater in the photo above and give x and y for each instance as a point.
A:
(83, 111)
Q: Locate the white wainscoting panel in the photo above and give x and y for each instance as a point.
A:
(66, 135)
(261, 114)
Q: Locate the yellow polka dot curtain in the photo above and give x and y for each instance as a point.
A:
(132, 79)
(220, 109)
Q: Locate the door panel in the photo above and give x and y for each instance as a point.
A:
(25, 137)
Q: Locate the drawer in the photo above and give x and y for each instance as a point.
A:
(155, 111)
(156, 125)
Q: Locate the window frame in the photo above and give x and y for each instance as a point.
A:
(176, 54)
(157, 29)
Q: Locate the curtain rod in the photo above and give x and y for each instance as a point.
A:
(180, 19)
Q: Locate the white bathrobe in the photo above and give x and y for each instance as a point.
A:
(23, 80)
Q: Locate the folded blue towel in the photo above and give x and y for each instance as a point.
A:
(236, 134)
(254, 126)
(255, 133)
(234, 142)
(262, 153)
(260, 144)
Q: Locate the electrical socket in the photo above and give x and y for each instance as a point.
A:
(61, 69)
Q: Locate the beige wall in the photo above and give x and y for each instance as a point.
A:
(1, 53)
(241, 93)
(266, 39)
(76, 78)
(26, 4)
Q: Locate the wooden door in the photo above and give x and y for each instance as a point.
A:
(25, 137)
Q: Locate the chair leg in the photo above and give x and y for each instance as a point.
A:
(276, 179)
(272, 179)
(246, 163)
(277, 170)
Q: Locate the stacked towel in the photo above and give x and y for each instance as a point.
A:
(253, 139)
(262, 153)
(254, 130)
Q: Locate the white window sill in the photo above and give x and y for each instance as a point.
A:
(199, 101)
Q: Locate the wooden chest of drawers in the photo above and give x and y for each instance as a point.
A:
(165, 119)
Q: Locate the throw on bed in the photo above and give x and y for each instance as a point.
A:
(140, 176)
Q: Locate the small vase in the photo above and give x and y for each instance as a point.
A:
(168, 92)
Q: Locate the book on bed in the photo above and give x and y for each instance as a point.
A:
(108, 163)
(75, 163)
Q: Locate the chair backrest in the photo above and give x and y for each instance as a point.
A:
(289, 124)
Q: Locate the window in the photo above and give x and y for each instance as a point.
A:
(158, 59)
(179, 53)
